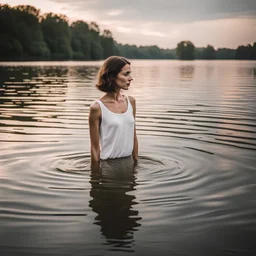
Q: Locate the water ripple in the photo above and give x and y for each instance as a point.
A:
(194, 181)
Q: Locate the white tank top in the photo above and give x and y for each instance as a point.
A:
(116, 132)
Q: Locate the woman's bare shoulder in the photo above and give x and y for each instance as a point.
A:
(132, 99)
(95, 107)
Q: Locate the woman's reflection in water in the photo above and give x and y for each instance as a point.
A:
(114, 206)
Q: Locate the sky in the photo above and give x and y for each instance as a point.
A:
(220, 23)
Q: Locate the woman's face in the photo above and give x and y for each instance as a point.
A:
(124, 78)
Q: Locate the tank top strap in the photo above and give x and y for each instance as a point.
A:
(128, 100)
(102, 106)
(100, 103)
(129, 103)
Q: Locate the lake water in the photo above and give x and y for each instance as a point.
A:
(192, 192)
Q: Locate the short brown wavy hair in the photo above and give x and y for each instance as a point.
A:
(108, 72)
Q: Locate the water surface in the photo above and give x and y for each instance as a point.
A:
(192, 192)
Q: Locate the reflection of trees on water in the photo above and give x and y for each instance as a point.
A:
(254, 73)
(38, 87)
(25, 86)
(85, 73)
(187, 71)
(30, 73)
(112, 202)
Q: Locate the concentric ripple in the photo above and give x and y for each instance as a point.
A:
(74, 163)
(192, 190)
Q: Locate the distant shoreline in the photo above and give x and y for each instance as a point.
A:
(48, 61)
(26, 35)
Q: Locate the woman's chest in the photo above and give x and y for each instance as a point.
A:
(118, 108)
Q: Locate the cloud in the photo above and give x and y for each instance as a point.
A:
(115, 12)
(219, 33)
(227, 23)
(172, 11)
(179, 11)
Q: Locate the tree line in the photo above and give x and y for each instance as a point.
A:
(27, 35)
(187, 51)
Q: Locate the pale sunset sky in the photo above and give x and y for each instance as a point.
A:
(221, 23)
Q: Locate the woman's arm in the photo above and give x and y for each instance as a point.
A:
(135, 144)
(94, 127)
(135, 147)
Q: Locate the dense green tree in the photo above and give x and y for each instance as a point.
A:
(244, 52)
(96, 46)
(21, 33)
(225, 53)
(153, 52)
(81, 40)
(145, 52)
(198, 52)
(169, 54)
(57, 35)
(254, 51)
(185, 50)
(96, 50)
(28, 31)
(205, 53)
(10, 47)
(27, 35)
(209, 53)
(109, 47)
(128, 51)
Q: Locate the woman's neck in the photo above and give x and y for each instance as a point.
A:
(115, 96)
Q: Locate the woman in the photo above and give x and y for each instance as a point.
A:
(112, 117)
